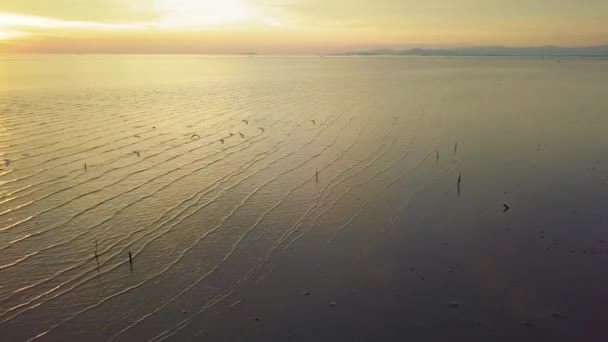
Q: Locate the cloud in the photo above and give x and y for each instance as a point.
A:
(104, 11)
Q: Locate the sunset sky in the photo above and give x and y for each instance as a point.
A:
(293, 26)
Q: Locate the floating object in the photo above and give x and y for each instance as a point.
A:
(454, 304)
(153, 127)
(85, 167)
(222, 141)
(195, 136)
(137, 153)
(246, 122)
(437, 153)
(7, 162)
(506, 208)
(242, 136)
(137, 136)
(456, 147)
(458, 183)
(261, 129)
(231, 134)
(317, 175)
(314, 123)
(527, 324)
(333, 303)
(305, 294)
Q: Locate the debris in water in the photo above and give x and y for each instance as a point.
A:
(437, 152)
(506, 208)
(137, 136)
(137, 153)
(458, 183)
(7, 162)
(222, 141)
(242, 135)
(454, 304)
(195, 136)
(261, 129)
(456, 147)
(314, 123)
(527, 324)
(246, 122)
(85, 167)
(131, 260)
(306, 294)
(317, 175)
(333, 303)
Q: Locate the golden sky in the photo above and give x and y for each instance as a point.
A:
(293, 26)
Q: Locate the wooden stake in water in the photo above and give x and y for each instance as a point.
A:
(96, 256)
(458, 183)
(131, 260)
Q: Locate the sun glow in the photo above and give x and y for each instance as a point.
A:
(197, 14)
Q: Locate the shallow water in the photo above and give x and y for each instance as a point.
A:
(241, 241)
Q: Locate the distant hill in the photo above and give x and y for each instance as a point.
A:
(589, 51)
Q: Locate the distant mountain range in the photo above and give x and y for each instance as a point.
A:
(588, 51)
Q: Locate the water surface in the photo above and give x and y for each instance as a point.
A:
(270, 198)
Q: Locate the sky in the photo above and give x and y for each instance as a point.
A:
(293, 26)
